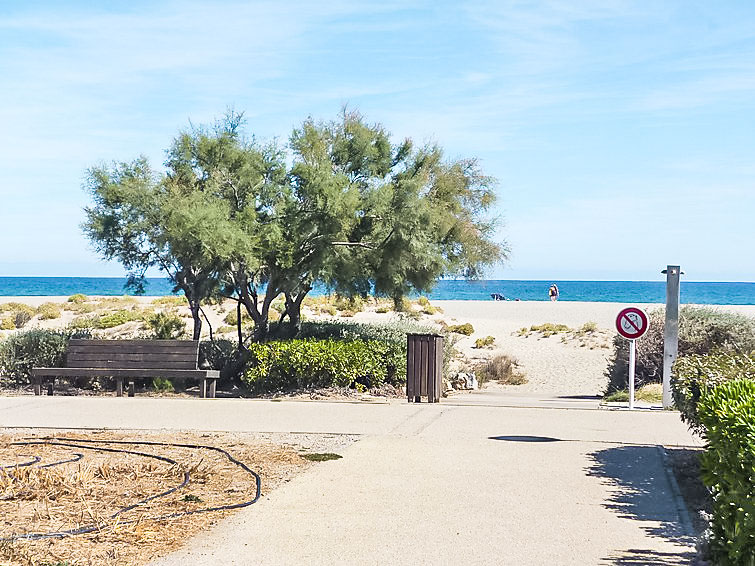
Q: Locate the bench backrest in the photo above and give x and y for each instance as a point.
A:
(133, 354)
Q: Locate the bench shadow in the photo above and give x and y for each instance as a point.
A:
(642, 492)
(525, 438)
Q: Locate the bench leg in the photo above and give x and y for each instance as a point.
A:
(37, 385)
(131, 389)
(119, 387)
(212, 388)
(50, 389)
(203, 388)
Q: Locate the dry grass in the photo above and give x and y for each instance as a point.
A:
(93, 489)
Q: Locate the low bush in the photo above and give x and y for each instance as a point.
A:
(7, 323)
(303, 364)
(465, 329)
(21, 317)
(549, 329)
(484, 342)
(48, 311)
(503, 369)
(692, 375)
(701, 330)
(162, 385)
(78, 298)
(22, 351)
(588, 327)
(349, 304)
(170, 301)
(166, 326)
(727, 412)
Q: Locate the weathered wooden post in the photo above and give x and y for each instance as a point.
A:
(670, 330)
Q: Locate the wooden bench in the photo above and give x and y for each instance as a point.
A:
(128, 359)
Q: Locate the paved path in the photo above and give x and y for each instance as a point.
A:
(467, 481)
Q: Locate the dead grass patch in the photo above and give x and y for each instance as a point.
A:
(99, 488)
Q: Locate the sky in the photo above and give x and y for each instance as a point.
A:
(621, 133)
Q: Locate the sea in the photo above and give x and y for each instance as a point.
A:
(693, 292)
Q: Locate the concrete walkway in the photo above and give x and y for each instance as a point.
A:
(470, 481)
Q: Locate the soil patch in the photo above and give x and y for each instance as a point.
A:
(141, 495)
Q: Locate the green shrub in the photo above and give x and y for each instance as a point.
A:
(465, 329)
(691, 375)
(232, 320)
(382, 310)
(302, 364)
(15, 307)
(484, 342)
(116, 318)
(727, 412)
(347, 314)
(7, 323)
(170, 301)
(549, 329)
(48, 311)
(22, 351)
(501, 368)
(701, 330)
(78, 298)
(588, 327)
(166, 326)
(349, 304)
(402, 305)
(162, 385)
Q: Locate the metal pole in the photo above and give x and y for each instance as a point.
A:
(631, 373)
(670, 330)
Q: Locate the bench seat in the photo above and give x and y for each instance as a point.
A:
(129, 359)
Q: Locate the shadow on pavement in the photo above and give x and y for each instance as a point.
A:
(642, 492)
(581, 397)
(525, 438)
(636, 557)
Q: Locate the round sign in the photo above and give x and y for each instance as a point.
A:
(632, 323)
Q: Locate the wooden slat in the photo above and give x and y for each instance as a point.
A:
(130, 364)
(135, 348)
(122, 372)
(410, 367)
(131, 357)
(159, 343)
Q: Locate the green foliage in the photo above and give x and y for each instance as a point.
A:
(549, 329)
(170, 301)
(350, 304)
(162, 385)
(78, 298)
(116, 318)
(21, 351)
(7, 323)
(166, 326)
(216, 354)
(727, 412)
(651, 393)
(465, 329)
(588, 327)
(48, 311)
(303, 364)
(502, 368)
(321, 457)
(701, 330)
(484, 342)
(693, 374)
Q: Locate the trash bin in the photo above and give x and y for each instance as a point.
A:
(424, 367)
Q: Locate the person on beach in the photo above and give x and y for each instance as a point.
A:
(553, 292)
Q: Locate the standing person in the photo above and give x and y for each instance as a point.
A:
(553, 292)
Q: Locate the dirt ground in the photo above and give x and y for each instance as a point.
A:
(128, 498)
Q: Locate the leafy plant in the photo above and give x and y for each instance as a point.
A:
(484, 342)
(702, 330)
(170, 301)
(321, 457)
(692, 375)
(78, 298)
(302, 364)
(465, 329)
(162, 385)
(48, 311)
(727, 413)
(22, 351)
(21, 317)
(166, 326)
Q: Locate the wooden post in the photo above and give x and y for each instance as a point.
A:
(50, 388)
(37, 385)
(119, 387)
(670, 330)
(131, 388)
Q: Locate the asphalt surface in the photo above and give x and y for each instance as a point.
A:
(476, 479)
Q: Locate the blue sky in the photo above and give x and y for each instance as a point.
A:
(622, 133)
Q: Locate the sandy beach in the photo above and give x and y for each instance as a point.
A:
(564, 364)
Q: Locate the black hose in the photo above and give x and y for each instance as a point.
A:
(31, 463)
(94, 527)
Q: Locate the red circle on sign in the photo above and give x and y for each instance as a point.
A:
(632, 323)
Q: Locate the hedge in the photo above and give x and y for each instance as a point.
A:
(702, 330)
(727, 412)
(691, 375)
(302, 364)
(21, 351)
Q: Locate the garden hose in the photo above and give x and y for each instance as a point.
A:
(94, 527)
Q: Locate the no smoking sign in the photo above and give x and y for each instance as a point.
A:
(632, 323)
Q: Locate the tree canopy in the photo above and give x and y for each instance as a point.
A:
(344, 207)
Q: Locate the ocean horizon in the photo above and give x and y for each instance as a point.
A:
(692, 292)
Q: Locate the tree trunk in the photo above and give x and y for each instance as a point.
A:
(195, 315)
(293, 308)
